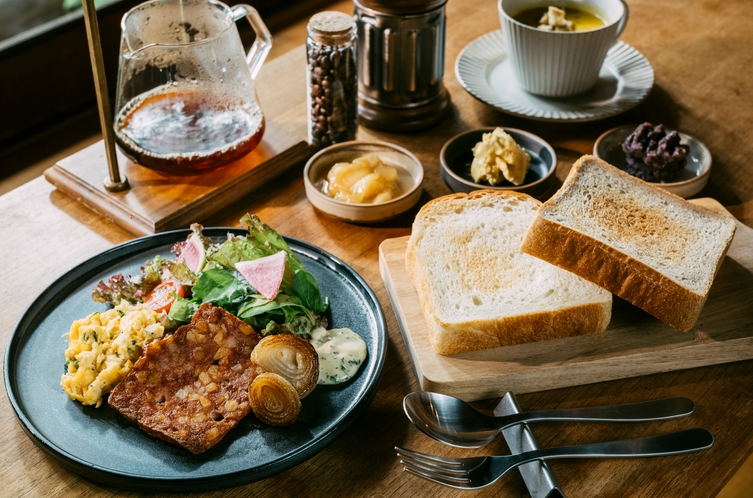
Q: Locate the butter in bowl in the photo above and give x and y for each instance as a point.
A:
(363, 182)
(498, 159)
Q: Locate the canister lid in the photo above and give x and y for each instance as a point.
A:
(401, 7)
(331, 27)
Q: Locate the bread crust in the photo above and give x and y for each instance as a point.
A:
(452, 338)
(610, 268)
(619, 273)
(472, 335)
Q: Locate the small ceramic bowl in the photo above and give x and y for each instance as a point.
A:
(457, 154)
(410, 177)
(692, 178)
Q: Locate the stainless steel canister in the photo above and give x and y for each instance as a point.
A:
(401, 64)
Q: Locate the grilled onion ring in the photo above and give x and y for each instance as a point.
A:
(290, 356)
(274, 400)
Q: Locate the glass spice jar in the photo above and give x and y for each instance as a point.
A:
(332, 78)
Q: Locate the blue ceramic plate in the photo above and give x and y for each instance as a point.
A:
(457, 154)
(100, 445)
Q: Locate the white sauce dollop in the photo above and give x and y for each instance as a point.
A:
(341, 353)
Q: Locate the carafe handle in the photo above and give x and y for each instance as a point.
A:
(263, 42)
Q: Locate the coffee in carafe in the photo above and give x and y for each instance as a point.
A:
(187, 130)
(185, 98)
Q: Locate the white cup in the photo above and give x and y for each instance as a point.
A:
(560, 63)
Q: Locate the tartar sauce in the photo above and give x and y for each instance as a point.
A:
(341, 353)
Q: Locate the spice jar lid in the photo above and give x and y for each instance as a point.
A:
(331, 27)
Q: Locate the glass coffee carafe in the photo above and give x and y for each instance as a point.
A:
(185, 97)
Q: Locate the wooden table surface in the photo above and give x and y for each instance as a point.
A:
(701, 54)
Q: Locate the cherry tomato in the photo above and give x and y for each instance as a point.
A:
(162, 297)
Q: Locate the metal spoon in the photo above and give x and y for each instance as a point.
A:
(455, 422)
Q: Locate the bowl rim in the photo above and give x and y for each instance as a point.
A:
(525, 186)
(502, 13)
(418, 179)
(706, 165)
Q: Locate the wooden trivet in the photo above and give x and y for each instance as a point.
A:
(158, 201)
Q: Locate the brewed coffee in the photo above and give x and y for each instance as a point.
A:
(183, 130)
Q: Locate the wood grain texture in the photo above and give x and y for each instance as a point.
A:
(634, 344)
(157, 201)
(702, 88)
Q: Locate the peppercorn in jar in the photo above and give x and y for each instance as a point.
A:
(332, 79)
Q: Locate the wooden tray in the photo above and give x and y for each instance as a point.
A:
(157, 201)
(634, 344)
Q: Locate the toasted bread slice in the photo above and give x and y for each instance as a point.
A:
(478, 291)
(649, 247)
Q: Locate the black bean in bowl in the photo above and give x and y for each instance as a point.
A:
(653, 154)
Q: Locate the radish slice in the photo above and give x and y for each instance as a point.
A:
(264, 274)
(193, 254)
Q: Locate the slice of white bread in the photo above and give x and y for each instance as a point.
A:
(478, 291)
(649, 247)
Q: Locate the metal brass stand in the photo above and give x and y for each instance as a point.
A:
(115, 182)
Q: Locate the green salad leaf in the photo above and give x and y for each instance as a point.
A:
(308, 290)
(296, 309)
(285, 307)
(134, 289)
(182, 310)
(221, 288)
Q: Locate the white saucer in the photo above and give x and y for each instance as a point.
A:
(484, 70)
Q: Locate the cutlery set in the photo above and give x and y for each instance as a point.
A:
(456, 423)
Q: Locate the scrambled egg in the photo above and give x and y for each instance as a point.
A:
(102, 348)
(498, 157)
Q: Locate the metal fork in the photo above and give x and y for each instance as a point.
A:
(479, 472)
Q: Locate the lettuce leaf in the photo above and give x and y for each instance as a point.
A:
(308, 290)
(282, 306)
(132, 289)
(182, 310)
(298, 308)
(296, 281)
(221, 288)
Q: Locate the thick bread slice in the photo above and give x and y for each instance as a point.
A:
(478, 291)
(648, 246)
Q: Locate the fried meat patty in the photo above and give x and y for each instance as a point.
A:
(191, 388)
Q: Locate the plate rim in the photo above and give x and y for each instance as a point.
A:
(496, 39)
(130, 481)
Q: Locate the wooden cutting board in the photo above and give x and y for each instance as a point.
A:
(634, 344)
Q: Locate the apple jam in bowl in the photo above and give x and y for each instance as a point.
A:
(363, 182)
